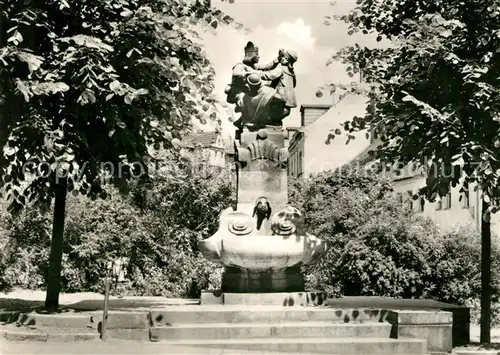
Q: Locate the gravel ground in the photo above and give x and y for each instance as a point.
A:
(70, 298)
(475, 331)
(86, 300)
(64, 298)
(114, 347)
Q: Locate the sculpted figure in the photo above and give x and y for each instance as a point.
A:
(256, 103)
(283, 79)
(241, 70)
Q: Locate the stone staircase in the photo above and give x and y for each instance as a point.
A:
(244, 327)
(313, 330)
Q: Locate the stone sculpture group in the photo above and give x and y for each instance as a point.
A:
(264, 94)
(262, 242)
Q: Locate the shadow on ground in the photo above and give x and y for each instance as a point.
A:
(26, 306)
(492, 346)
(124, 304)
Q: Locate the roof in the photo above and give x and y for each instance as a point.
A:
(331, 154)
(323, 106)
(298, 134)
(364, 157)
(205, 139)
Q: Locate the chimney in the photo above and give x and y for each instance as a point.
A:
(310, 113)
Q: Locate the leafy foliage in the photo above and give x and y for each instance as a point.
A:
(92, 84)
(25, 242)
(436, 88)
(378, 247)
(149, 230)
(87, 88)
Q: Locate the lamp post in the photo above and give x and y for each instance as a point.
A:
(116, 273)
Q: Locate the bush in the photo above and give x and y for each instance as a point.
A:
(378, 247)
(25, 243)
(461, 260)
(183, 208)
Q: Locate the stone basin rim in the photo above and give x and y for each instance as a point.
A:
(263, 252)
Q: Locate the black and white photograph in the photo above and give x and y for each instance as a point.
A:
(260, 177)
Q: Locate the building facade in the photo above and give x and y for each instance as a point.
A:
(310, 150)
(309, 153)
(457, 209)
(209, 146)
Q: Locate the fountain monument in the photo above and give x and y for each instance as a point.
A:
(262, 242)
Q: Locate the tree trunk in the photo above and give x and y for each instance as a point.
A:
(56, 246)
(485, 337)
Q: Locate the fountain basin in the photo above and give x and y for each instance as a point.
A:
(262, 252)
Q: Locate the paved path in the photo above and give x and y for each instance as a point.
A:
(23, 299)
(112, 347)
(475, 330)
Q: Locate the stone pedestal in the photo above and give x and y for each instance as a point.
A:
(261, 160)
(236, 280)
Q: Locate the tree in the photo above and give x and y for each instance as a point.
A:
(87, 88)
(437, 90)
(153, 232)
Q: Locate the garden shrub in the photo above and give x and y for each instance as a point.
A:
(376, 246)
(25, 243)
(155, 230)
(379, 247)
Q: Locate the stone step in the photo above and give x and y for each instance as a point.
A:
(64, 320)
(263, 330)
(374, 346)
(262, 314)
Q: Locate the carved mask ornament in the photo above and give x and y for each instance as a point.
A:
(262, 210)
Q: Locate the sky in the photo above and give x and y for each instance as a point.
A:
(297, 25)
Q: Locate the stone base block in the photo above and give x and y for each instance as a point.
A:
(283, 330)
(434, 326)
(235, 280)
(276, 299)
(122, 320)
(68, 320)
(461, 314)
(286, 299)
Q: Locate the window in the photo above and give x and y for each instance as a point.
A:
(447, 201)
(421, 204)
(439, 205)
